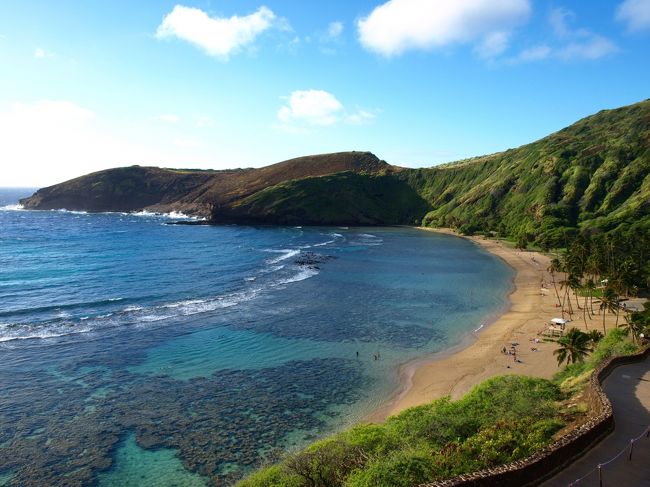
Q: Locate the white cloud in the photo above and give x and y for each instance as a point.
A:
(569, 43)
(400, 25)
(334, 30)
(166, 117)
(359, 117)
(635, 13)
(535, 53)
(307, 109)
(48, 141)
(594, 47)
(493, 44)
(558, 18)
(313, 107)
(217, 36)
(39, 53)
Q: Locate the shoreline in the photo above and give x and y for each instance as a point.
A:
(454, 371)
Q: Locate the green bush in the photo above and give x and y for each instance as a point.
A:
(615, 343)
(402, 469)
(273, 476)
(326, 463)
(373, 439)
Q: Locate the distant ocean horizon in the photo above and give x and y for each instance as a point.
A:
(133, 349)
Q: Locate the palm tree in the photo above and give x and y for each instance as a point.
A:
(595, 336)
(634, 325)
(566, 297)
(609, 302)
(556, 266)
(574, 347)
(590, 286)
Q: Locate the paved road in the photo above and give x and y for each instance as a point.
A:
(628, 387)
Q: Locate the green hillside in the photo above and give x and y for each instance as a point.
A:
(594, 174)
(591, 176)
(345, 198)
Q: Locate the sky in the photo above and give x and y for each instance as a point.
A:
(219, 84)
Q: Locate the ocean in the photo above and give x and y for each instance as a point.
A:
(138, 352)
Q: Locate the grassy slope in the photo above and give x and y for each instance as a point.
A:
(338, 199)
(595, 173)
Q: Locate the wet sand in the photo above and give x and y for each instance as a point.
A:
(479, 357)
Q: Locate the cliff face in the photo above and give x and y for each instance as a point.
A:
(594, 174)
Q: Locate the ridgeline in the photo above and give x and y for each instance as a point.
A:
(593, 175)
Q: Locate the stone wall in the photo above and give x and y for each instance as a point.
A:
(545, 463)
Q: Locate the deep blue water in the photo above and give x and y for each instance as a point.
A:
(136, 352)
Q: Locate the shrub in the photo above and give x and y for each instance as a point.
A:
(402, 469)
(372, 439)
(273, 476)
(326, 463)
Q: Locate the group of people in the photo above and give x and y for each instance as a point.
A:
(512, 351)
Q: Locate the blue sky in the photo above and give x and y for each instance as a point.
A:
(223, 83)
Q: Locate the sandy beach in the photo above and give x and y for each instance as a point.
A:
(455, 371)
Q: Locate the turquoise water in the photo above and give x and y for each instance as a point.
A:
(134, 349)
(134, 467)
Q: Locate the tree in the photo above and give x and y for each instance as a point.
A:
(590, 286)
(566, 297)
(556, 266)
(574, 347)
(595, 336)
(609, 302)
(522, 241)
(634, 325)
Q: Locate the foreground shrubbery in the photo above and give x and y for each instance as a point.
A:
(501, 420)
(617, 342)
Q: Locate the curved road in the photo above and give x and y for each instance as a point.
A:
(628, 388)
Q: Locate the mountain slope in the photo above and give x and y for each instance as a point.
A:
(344, 198)
(593, 175)
(148, 188)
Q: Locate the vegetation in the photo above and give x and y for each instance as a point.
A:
(574, 347)
(501, 420)
(584, 190)
(340, 199)
(576, 374)
(589, 178)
